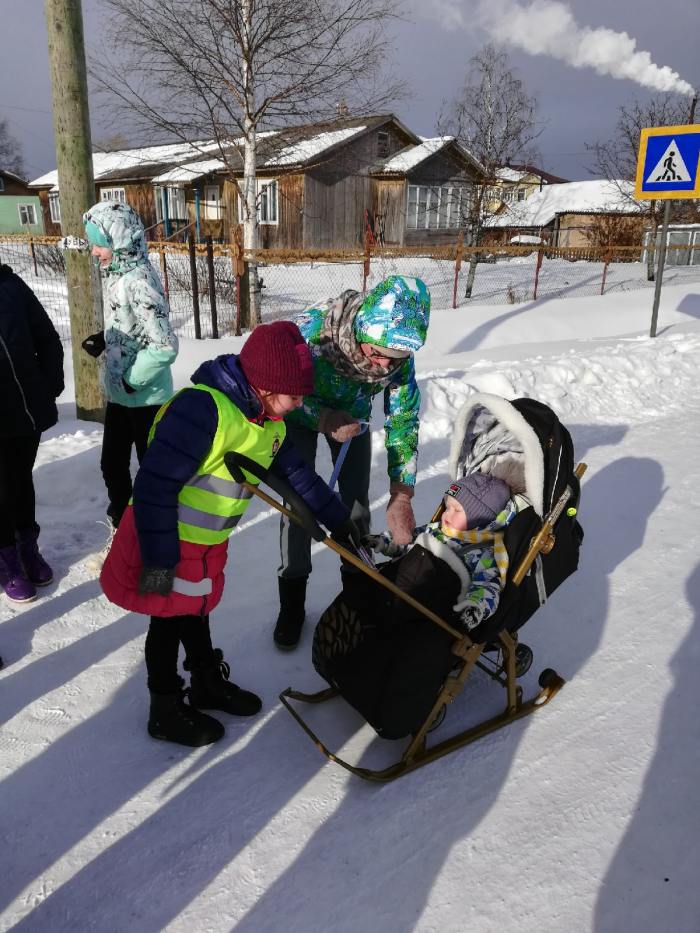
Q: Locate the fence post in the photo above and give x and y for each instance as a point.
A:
(606, 261)
(164, 269)
(33, 252)
(195, 286)
(238, 266)
(458, 265)
(212, 289)
(365, 265)
(540, 256)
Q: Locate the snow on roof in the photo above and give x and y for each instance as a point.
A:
(510, 174)
(574, 197)
(107, 163)
(306, 149)
(189, 171)
(409, 158)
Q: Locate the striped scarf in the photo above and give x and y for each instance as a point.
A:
(479, 536)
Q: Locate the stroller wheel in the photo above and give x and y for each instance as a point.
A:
(547, 677)
(523, 659)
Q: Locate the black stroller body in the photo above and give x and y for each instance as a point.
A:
(390, 643)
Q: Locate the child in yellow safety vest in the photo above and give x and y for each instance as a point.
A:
(170, 549)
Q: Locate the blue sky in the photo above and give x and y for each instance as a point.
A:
(576, 105)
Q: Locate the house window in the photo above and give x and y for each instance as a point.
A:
(521, 194)
(2, 184)
(177, 208)
(54, 207)
(382, 144)
(443, 208)
(267, 196)
(212, 202)
(27, 214)
(113, 194)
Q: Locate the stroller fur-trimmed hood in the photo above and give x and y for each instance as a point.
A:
(491, 435)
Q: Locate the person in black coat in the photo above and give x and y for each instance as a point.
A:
(31, 379)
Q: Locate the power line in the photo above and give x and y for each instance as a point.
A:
(27, 109)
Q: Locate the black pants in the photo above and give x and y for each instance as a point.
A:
(162, 645)
(124, 428)
(17, 501)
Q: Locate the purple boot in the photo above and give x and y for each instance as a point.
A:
(13, 579)
(34, 564)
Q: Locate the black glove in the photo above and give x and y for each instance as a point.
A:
(127, 388)
(156, 580)
(347, 534)
(94, 344)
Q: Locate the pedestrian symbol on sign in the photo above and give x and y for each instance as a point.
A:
(670, 166)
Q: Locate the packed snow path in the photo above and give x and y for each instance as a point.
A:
(582, 817)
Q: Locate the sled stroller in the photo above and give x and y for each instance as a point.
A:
(401, 662)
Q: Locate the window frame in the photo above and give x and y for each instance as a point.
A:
(260, 185)
(54, 207)
(383, 143)
(436, 206)
(27, 207)
(212, 207)
(176, 199)
(113, 194)
(2, 183)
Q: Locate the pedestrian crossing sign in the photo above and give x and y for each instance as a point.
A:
(668, 164)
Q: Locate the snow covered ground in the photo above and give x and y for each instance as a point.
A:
(583, 817)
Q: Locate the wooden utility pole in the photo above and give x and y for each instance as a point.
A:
(71, 120)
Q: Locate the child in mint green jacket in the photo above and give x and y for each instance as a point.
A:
(138, 342)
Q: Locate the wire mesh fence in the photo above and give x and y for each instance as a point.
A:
(204, 289)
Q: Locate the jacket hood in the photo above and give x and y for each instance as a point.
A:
(225, 374)
(122, 230)
(395, 314)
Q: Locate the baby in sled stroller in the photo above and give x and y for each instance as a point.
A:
(510, 463)
(468, 537)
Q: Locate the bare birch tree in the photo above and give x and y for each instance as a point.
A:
(616, 159)
(496, 120)
(10, 151)
(227, 70)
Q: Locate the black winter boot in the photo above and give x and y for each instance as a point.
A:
(291, 617)
(210, 688)
(173, 720)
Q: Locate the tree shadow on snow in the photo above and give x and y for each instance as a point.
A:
(79, 780)
(405, 831)
(652, 882)
(17, 632)
(474, 339)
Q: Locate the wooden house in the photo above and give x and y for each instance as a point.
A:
(20, 209)
(576, 214)
(319, 186)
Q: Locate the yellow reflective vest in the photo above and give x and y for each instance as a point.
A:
(211, 503)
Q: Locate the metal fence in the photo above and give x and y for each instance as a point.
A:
(204, 287)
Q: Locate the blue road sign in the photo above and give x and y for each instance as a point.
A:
(668, 164)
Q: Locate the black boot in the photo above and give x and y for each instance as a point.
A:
(210, 688)
(291, 618)
(173, 720)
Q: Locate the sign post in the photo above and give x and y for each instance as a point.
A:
(668, 166)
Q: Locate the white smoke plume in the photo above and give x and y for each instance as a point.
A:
(548, 27)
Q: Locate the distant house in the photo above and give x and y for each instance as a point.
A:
(517, 182)
(422, 193)
(320, 186)
(572, 214)
(20, 209)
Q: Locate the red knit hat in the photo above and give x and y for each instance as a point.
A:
(275, 358)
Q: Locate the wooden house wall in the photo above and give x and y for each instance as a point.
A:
(12, 186)
(50, 228)
(389, 202)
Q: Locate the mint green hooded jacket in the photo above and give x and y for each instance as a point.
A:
(140, 343)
